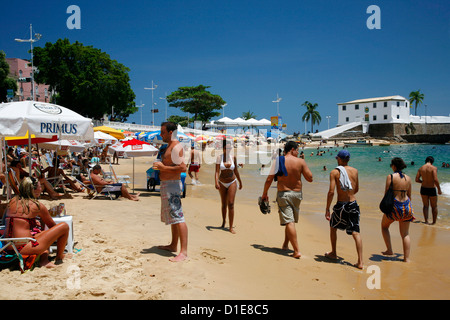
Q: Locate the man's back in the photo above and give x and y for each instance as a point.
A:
(295, 167)
(347, 195)
(428, 173)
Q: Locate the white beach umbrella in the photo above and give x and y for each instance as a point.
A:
(43, 120)
(72, 145)
(101, 138)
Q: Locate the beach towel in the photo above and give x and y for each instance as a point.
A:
(344, 180)
(282, 171)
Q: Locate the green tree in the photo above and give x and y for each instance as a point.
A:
(5, 81)
(86, 79)
(417, 98)
(311, 113)
(197, 101)
(181, 120)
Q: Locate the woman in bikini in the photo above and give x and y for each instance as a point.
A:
(21, 222)
(226, 177)
(402, 211)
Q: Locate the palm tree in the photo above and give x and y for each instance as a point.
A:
(248, 115)
(416, 97)
(311, 113)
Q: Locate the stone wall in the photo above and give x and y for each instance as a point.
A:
(431, 132)
(396, 129)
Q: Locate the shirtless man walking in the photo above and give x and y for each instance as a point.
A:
(289, 194)
(346, 213)
(171, 166)
(427, 176)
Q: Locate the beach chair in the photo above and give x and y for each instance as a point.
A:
(119, 179)
(76, 171)
(104, 192)
(58, 182)
(13, 182)
(5, 243)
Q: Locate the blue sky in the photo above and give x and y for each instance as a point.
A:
(248, 51)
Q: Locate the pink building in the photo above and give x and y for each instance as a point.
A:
(20, 70)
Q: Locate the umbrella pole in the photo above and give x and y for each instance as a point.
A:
(5, 152)
(133, 174)
(29, 152)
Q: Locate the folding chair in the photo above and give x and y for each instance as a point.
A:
(6, 258)
(57, 182)
(76, 171)
(119, 179)
(104, 192)
(13, 182)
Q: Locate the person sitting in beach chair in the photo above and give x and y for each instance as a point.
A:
(16, 174)
(101, 185)
(54, 173)
(22, 221)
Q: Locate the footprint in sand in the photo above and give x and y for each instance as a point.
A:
(212, 256)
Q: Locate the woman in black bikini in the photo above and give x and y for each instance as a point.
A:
(21, 222)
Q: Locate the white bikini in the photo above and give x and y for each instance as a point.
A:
(223, 167)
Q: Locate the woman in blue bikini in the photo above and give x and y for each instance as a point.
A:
(226, 177)
(402, 211)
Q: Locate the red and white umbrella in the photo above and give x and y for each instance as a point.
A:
(133, 148)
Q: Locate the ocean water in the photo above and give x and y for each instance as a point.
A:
(373, 164)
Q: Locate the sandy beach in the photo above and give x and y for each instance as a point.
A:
(116, 254)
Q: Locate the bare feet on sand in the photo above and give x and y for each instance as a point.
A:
(179, 258)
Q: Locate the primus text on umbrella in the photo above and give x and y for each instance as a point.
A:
(55, 128)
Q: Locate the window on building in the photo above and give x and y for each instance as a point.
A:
(20, 73)
(356, 106)
(374, 118)
(398, 103)
(374, 105)
(385, 117)
(385, 104)
(344, 108)
(398, 116)
(347, 119)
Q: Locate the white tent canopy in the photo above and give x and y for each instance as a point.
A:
(43, 120)
(239, 122)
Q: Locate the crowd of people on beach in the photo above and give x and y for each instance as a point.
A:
(25, 216)
(288, 169)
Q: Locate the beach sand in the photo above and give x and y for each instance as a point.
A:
(117, 256)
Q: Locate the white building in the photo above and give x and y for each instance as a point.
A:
(375, 110)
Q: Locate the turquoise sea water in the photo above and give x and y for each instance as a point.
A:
(372, 176)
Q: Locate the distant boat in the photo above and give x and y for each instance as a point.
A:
(359, 143)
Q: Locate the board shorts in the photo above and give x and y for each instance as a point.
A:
(115, 189)
(289, 206)
(402, 211)
(194, 167)
(171, 210)
(431, 192)
(345, 216)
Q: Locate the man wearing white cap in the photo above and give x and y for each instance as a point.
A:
(346, 213)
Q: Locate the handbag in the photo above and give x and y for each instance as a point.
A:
(387, 203)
